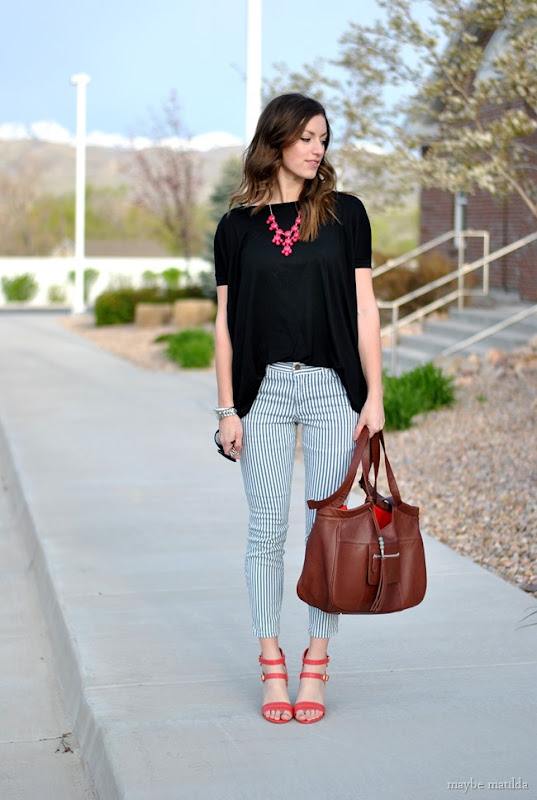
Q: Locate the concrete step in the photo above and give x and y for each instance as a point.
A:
(484, 317)
(438, 335)
(435, 343)
(407, 358)
(498, 297)
(460, 329)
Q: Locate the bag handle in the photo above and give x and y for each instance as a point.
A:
(366, 451)
(337, 498)
(376, 440)
(372, 453)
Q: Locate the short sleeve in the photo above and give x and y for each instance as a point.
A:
(222, 251)
(361, 233)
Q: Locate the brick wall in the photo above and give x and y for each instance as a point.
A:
(437, 210)
(506, 221)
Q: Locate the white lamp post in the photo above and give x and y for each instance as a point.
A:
(253, 68)
(80, 80)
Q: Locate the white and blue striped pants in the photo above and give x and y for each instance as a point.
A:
(290, 394)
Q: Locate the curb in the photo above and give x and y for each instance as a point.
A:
(84, 727)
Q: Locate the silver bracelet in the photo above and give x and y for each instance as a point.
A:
(221, 413)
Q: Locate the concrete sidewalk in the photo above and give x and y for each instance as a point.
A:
(136, 529)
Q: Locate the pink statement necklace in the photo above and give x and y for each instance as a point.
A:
(287, 238)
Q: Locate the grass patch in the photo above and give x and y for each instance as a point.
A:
(192, 348)
(423, 389)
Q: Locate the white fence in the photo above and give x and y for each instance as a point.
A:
(112, 272)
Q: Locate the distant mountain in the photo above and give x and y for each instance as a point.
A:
(54, 133)
(49, 149)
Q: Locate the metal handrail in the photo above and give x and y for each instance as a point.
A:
(486, 332)
(428, 287)
(391, 263)
(464, 269)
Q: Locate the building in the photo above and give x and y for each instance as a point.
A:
(507, 219)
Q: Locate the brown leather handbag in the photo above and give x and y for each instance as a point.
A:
(368, 559)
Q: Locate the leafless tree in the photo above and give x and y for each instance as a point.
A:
(166, 179)
(18, 193)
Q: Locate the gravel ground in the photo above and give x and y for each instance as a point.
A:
(477, 485)
(472, 468)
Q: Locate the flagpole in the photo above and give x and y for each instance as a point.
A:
(253, 67)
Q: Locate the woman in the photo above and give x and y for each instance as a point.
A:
(297, 341)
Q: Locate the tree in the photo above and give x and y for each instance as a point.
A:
(167, 181)
(466, 113)
(18, 194)
(33, 224)
(359, 128)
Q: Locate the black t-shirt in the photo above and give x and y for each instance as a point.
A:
(300, 307)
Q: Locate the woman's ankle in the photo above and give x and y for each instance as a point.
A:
(270, 649)
(317, 649)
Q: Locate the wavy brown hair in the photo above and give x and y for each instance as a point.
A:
(280, 125)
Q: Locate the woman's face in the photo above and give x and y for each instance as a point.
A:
(302, 159)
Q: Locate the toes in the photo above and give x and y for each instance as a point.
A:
(275, 714)
(308, 714)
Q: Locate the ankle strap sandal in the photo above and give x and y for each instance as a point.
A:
(281, 706)
(311, 706)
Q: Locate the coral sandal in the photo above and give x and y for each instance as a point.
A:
(281, 706)
(311, 706)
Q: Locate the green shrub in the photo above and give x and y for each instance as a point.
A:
(172, 276)
(149, 277)
(164, 337)
(117, 306)
(192, 348)
(423, 389)
(56, 294)
(185, 292)
(20, 288)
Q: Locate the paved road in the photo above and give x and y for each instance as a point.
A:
(136, 528)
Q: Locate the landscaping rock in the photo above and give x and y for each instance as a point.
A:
(189, 313)
(152, 315)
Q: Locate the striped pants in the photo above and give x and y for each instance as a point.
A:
(290, 394)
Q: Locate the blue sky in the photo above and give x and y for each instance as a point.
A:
(137, 52)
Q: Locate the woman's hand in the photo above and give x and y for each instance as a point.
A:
(231, 435)
(371, 416)
(370, 350)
